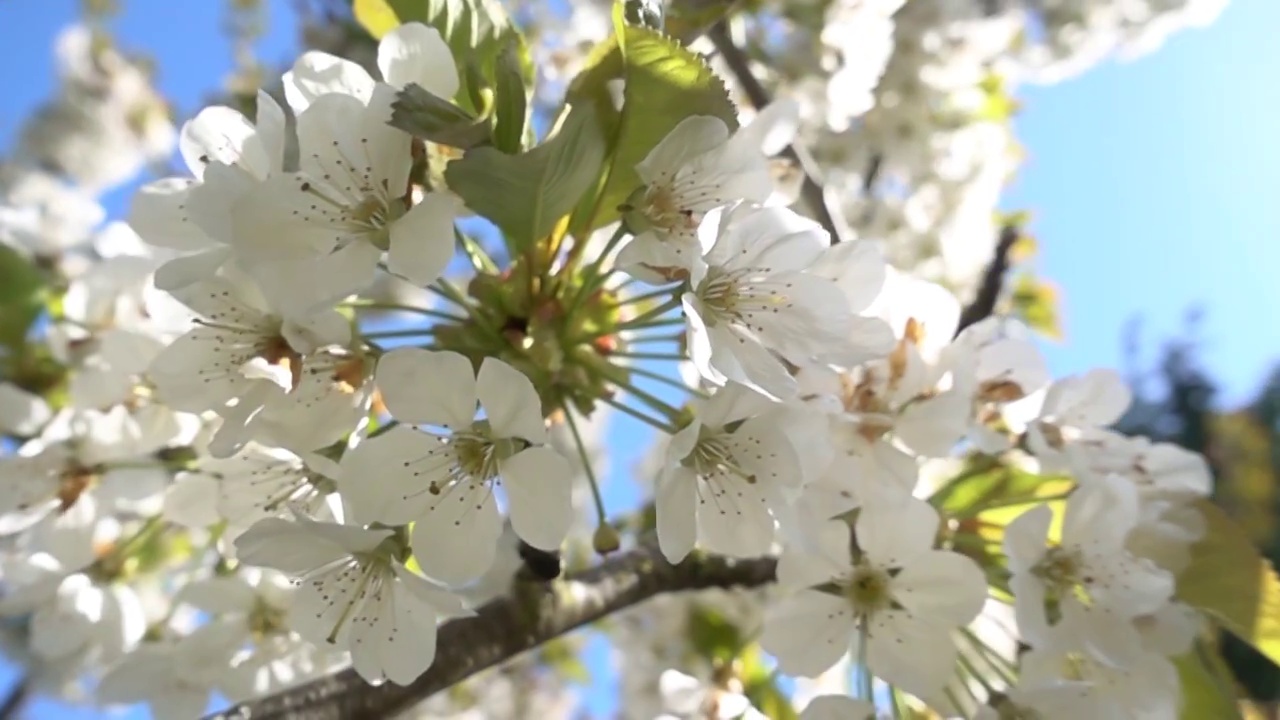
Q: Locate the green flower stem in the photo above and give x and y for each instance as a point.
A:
(370, 305)
(673, 337)
(865, 679)
(455, 296)
(384, 334)
(480, 260)
(601, 516)
(993, 659)
(649, 356)
(652, 422)
(651, 400)
(972, 669)
(636, 370)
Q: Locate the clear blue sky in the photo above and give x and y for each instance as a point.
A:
(1152, 183)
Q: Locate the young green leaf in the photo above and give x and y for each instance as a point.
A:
(663, 83)
(437, 120)
(21, 297)
(527, 194)
(511, 104)
(1232, 582)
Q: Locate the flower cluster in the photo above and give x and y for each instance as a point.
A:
(230, 474)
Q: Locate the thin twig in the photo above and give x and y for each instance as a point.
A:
(508, 626)
(811, 186)
(984, 303)
(13, 703)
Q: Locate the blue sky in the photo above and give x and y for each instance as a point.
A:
(1151, 183)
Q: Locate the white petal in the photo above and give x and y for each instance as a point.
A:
(158, 213)
(286, 546)
(216, 134)
(675, 506)
(316, 73)
(808, 632)
(510, 402)
(895, 535)
(838, 707)
(1097, 398)
(539, 485)
(415, 53)
(1101, 513)
(386, 478)
(945, 587)
(192, 502)
(693, 136)
(428, 387)
(1024, 538)
(271, 126)
(457, 540)
(910, 653)
(422, 241)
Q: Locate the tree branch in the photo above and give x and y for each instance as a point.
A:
(15, 699)
(507, 627)
(811, 186)
(984, 303)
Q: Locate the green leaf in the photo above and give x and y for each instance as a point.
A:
(758, 684)
(475, 30)
(1230, 580)
(21, 297)
(713, 637)
(432, 118)
(1206, 685)
(665, 83)
(1036, 303)
(528, 194)
(511, 109)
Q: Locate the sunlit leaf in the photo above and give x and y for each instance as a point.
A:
(21, 296)
(528, 194)
(1206, 685)
(1232, 582)
(660, 83)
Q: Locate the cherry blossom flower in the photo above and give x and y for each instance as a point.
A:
(723, 477)
(444, 481)
(355, 593)
(896, 596)
(1083, 593)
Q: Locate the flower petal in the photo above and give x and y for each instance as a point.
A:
(945, 587)
(415, 53)
(457, 540)
(894, 534)
(808, 632)
(675, 505)
(510, 402)
(539, 485)
(422, 241)
(428, 387)
(316, 73)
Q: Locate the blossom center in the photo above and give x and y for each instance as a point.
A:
(267, 620)
(1060, 569)
(734, 296)
(663, 209)
(713, 456)
(71, 485)
(867, 590)
(476, 456)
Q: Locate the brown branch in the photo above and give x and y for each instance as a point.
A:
(984, 303)
(15, 699)
(811, 186)
(507, 627)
